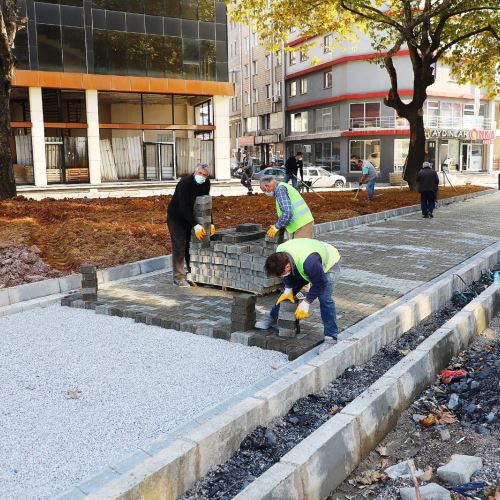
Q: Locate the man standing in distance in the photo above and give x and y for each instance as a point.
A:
(292, 167)
(180, 220)
(368, 175)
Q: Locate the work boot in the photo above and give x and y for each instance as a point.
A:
(430, 215)
(265, 323)
(425, 216)
(182, 283)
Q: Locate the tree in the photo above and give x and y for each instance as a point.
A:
(8, 28)
(463, 34)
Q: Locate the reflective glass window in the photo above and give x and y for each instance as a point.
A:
(189, 9)
(207, 59)
(49, 47)
(172, 8)
(206, 10)
(155, 7)
(173, 57)
(21, 50)
(74, 55)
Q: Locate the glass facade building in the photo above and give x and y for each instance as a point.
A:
(120, 90)
(157, 38)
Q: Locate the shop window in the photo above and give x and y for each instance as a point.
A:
(401, 147)
(20, 105)
(327, 155)
(364, 114)
(157, 108)
(366, 150)
(327, 79)
(22, 156)
(120, 107)
(203, 113)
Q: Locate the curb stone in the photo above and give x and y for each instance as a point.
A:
(220, 435)
(42, 289)
(376, 410)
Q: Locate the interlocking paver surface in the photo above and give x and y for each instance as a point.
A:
(381, 262)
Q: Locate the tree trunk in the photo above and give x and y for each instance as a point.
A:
(416, 151)
(7, 182)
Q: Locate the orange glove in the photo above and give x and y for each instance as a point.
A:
(212, 230)
(286, 295)
(302, 312)
(271, 232)
(199, 231)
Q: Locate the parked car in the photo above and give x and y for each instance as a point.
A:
(321, 178)
(279, 173)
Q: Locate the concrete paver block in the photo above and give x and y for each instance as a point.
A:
(430, 491)
(459, 469)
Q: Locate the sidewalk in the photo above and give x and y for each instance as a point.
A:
(381, 262)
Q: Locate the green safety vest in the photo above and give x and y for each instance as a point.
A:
(301, 215)
(301, 248)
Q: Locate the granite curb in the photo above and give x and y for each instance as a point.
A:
(214, 436)
(322, 461)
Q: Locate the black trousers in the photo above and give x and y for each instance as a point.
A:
(180, 236)
(246, 180)
(427, 202)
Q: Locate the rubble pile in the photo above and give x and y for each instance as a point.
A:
(22, 264)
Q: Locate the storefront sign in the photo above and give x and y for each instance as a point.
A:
(267, 139)
(486, 136)
(246, 140)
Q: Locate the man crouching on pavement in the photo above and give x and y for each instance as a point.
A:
(299, 262)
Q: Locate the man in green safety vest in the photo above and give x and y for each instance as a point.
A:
(299, 262)
(293, 213)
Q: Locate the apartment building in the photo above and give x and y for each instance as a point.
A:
(256, 110)
(335, 108)
(108, 92)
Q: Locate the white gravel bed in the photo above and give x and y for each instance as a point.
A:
(79, 391)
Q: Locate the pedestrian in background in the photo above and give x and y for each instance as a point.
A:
(368, 174)
(428, 185)
(293, 213)
(247, 172)
(292, 167)
(180, 220)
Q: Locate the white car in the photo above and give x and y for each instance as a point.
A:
(321, 178)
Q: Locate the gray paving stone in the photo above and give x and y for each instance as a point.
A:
(459, 469)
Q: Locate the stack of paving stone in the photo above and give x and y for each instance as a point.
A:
(202, 212)
(89, 282)
(288, 326)
(243, 314)
(234, 258)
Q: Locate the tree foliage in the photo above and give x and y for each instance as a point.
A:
(463, 34)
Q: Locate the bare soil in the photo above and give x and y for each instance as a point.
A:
(112, 231)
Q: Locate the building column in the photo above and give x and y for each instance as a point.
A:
(222, 138)
(38, 137)
(94, 151)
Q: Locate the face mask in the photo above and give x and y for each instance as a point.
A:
(269, 193)
(286, 274)
(199, 179)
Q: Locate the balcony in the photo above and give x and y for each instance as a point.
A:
(441, 122)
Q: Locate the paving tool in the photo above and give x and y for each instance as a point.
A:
(357, 192)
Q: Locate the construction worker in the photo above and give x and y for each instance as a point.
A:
(299, 262)
(293, 213)
(180, 220)
(368, 175)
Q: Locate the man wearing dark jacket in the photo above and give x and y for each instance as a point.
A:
(292, 166)
(180, 220)
(428, 182)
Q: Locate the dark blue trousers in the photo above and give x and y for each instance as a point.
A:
(427, 202)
